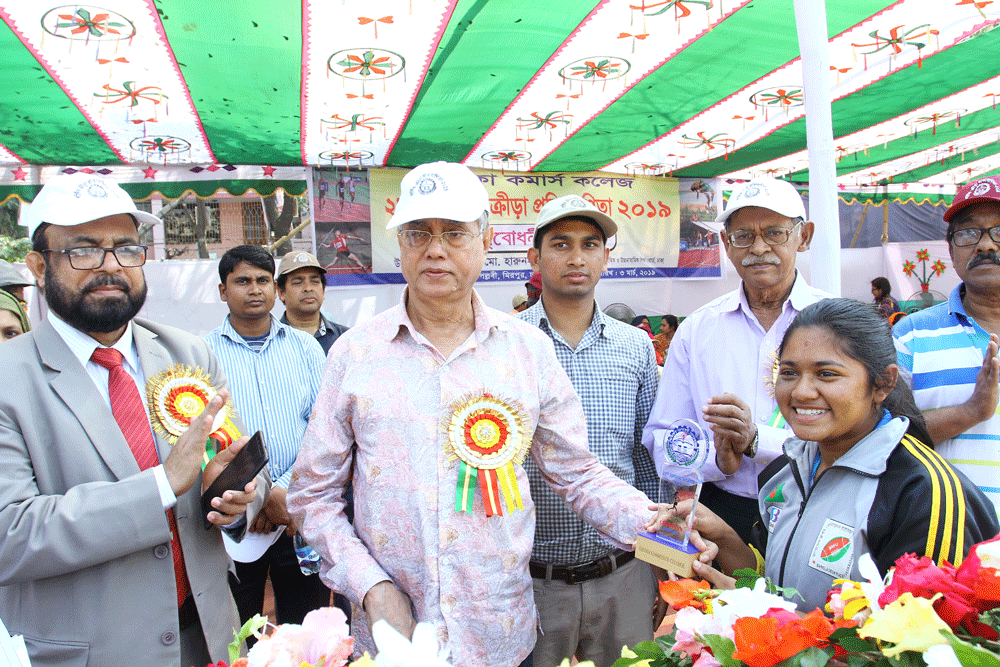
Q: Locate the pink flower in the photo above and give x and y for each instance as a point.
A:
(328, 637)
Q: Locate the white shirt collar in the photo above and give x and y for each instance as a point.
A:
(82, 346)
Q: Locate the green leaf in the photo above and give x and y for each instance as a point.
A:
(810, 657)
(746, 577)
(972, 656)
(723, 649)
(253, 626)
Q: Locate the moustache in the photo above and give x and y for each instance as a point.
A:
(105, 281)
(983, 258)
(766, 258)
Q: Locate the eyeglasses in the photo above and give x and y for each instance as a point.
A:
(418, 238)
(92, 257)
(744, 238)
(972, 235)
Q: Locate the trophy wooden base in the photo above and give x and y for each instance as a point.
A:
(666, 552)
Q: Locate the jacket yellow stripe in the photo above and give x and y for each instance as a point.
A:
(960, 510)
(935, 514)
(953, 538)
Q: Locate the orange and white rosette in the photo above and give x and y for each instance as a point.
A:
(179, 394)
(487, 435)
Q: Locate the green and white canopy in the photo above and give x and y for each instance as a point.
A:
(693, 88)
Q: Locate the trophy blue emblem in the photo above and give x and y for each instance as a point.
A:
(678, 452)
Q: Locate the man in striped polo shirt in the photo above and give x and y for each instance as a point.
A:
(274, 374)
(948, 353)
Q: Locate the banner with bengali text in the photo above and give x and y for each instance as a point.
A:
(648, 211)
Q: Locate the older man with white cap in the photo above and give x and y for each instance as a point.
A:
(100, 518)
(432, 406)
(723, 359)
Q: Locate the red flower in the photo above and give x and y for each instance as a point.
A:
(923, 255)
(909, 267)
(958, 606)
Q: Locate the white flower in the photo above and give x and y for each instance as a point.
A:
(989, 554)
(394, 650)
(941, 655)
(743, 602)
(873, 587)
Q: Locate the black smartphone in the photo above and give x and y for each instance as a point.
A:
(244, 467)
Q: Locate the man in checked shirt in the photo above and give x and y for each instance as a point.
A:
(592, 598)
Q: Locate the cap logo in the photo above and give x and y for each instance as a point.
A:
(427, 184)
(574, 202)
(302, 257)
(981, 188)
(94, 187)
(753, 190)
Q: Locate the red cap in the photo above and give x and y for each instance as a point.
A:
(536, 281)
(979, 190)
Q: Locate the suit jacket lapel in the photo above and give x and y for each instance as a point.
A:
(154, 358)
(76, 388)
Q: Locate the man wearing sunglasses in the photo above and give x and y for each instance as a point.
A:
(723, 357)
(100, 517)
(948, 352)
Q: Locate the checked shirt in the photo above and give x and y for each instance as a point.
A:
(614, 372)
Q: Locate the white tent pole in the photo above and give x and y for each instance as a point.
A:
(810, 22)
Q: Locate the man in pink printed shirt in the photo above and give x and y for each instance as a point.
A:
(433, 402)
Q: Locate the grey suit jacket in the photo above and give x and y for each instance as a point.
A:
(85, 568)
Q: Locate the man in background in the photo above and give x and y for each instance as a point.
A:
(301, 285)
(274, 372)
(592, 598)
(948, 352)
(11, 280)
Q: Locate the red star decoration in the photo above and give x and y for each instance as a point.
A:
(20, 175)
(269, 171)
(149, 172)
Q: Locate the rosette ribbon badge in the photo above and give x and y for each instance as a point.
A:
(179, 394)
(486, 435)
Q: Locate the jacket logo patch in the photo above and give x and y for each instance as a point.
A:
(776, 496)
(833, 551)
(772, 518)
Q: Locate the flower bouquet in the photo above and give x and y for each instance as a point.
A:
(323, 640)
(920, 614)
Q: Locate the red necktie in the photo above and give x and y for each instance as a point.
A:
(126, 405)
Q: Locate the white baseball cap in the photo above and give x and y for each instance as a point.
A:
(574, 206)
(770, 193)
(440, 190)
(73, 199)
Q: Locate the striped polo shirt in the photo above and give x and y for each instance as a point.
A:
(273, 384)
(940, 352)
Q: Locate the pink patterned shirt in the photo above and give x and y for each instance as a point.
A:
(387, 390)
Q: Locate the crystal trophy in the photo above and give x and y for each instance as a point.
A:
(678, 452)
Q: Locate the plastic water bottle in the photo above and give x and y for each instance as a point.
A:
(308, 558)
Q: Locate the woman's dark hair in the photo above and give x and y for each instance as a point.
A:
(882, 284)
(865, 336)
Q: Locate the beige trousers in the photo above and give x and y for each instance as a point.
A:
(593, 620)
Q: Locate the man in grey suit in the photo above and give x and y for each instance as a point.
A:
(91, 570)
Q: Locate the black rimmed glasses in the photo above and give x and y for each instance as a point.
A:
(419, 238)
(92, 257)
(972, 235)
(744, 238)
